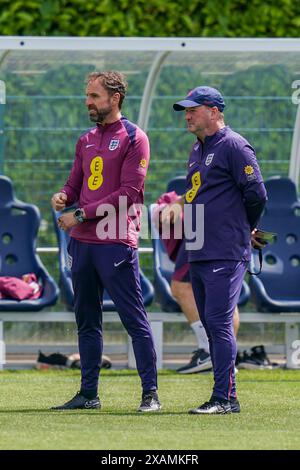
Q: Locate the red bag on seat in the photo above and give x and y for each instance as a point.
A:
(19, 289)
(15, 288)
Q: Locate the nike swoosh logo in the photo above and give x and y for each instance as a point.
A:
(216, 270)
(89, 404)
(118, 264)
(89, 145)
(191, 164)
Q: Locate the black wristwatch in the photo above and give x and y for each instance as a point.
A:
(78, 214)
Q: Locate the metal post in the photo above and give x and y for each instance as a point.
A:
(131, 357)
(2, 347)
(2, 105)
(295, 151)
(292, 343)
(157, 330)
(149, 89)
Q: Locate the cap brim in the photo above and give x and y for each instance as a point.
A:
(181, 105)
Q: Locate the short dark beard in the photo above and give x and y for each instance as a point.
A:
(101, 114)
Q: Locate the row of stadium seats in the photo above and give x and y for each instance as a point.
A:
(277, 289)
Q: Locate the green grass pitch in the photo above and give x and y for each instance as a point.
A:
(270, 417)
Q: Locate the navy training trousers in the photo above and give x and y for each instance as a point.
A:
(113, 267)
(217, 286)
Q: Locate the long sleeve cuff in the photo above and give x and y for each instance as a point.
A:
(71, 195)
(254, 212)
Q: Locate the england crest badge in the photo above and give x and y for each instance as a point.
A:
(114, 144)
(209, 159)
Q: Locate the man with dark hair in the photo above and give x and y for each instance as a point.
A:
(112, 82)
(224, 177)
(107, 183)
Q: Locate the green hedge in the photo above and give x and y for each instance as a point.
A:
(229, 18)
(54, 100)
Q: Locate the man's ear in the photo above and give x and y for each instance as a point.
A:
(214, 113)
(116, 98)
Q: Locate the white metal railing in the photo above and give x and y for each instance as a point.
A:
(157, 320)
(55, 249)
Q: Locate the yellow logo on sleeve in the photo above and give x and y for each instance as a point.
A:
(196, 183)
(96, 178)
(249, 170)
(143, 163)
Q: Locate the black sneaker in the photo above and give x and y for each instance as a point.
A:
(150, 402)
(260, 355)
(214, 406)
(200, 362)
(248, 362)
(60, 361)
(79, 402)
(235, 405)
(55, 360)
(257, 359)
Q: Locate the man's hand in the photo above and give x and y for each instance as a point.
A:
(171, 213)
(255, 240)
(67, 221)
(58, 201)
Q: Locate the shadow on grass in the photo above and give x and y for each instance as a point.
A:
(89, 412)
(76, 372)
(268, 381)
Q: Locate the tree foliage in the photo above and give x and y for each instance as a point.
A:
(45, 113)
(142, 18)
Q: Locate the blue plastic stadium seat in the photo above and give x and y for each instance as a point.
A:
(277, 288)
(164, 267)
(65, 281)
(177, 184)
(19, 224)
(244, 295)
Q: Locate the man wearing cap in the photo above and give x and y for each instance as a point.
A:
(224, 176)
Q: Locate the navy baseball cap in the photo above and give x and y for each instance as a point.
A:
(202, 95)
